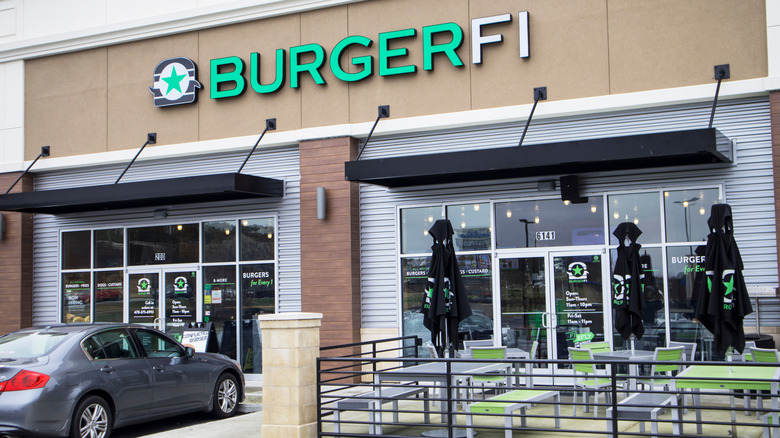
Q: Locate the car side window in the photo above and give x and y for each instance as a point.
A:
(156, 345)
(110, 344)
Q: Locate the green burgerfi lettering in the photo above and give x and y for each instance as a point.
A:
(220, 79)
(313, 68)
(385, 53)
(429, 48)
(254, 73)
(365, 61)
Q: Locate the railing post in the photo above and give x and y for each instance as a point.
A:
(319, 398)
(613, 375)
(450, 431)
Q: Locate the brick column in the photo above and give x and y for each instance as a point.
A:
(291, 344)
(330, 248)
(16, 261)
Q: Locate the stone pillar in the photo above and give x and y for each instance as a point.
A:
(291, 345)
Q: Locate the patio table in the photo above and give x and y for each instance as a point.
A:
(512, 353)
(436, 372)
(729, 377)
(627, 355)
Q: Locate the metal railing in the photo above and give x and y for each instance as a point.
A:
(439, 403)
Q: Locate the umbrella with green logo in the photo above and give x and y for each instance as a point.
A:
(724, 302)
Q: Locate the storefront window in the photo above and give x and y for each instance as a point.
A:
(548, 223)
(257, 298)
(476, 273)
(219, 305)
(76, 297)
(257, 239)
(415, 223)
(109, 296)
(219, 241)
(165, 244)
(653, 315)
(471, 225)
(686, 277)
(109, 248)
(643, 209)
(75, 250)
(686, 213)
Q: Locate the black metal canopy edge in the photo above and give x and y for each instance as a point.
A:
(675, 148)
(204, 188)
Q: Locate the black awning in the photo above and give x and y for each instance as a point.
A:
(205, 188)
(698, 146)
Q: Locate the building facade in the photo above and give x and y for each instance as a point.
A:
(535, 127)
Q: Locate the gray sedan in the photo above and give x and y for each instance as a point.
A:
(84, 380)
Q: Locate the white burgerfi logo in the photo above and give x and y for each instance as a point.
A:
(175, 82)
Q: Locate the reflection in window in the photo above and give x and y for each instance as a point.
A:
(75, 250)
(219, 241)
(415, 223)
(686, 213)
(551, 222)
(219, 305)
(165, 244)
(109, 248)
(643, 209)
(109, 296)
(653, 311)
(257, 298)
(685, 271)
(76, 297)
(257, 239)
(471, 226)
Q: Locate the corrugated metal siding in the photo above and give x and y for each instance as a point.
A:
(748, 186)
(281, 163)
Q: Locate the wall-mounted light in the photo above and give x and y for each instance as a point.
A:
(2, 225)
(322, 205)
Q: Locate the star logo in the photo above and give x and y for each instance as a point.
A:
(577, 271)
(175, 82)
(144, 286)
(180, 285)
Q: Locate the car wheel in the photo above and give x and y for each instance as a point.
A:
(225, 396)
(92, 419)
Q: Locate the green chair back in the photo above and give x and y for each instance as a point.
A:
(765, 355)
(582, 354)
(534, 349)
(670, 354)
(596, 346)
(488, 352)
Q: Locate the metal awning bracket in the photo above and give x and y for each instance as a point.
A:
(721, 72)
(540, 93)
(45, 151)
(383, 111)
(151, 138)
(270, 125)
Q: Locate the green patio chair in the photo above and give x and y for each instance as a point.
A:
(588, 384)
(521, 372)
(764, 355)
(496, 379)
(596, 346)
(662, 370)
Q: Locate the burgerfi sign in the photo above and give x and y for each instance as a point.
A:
(232, 76)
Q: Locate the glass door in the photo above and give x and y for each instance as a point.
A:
(555, 298)
(577, 306)
(144, 297)
(170, 304)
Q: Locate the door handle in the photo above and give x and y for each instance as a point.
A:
(158, 368)
(107, 369)
(544, 317)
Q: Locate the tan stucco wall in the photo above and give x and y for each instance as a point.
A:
(98, 100)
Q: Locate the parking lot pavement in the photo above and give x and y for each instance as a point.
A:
(196, 425)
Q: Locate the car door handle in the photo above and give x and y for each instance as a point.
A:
(107, 369)
(158, 368)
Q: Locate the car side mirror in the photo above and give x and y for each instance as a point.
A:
(189, 352)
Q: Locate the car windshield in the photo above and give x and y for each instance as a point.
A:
(29, 344)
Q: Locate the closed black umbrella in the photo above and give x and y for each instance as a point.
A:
(446, 303)
(724, 301)
(628, 297)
